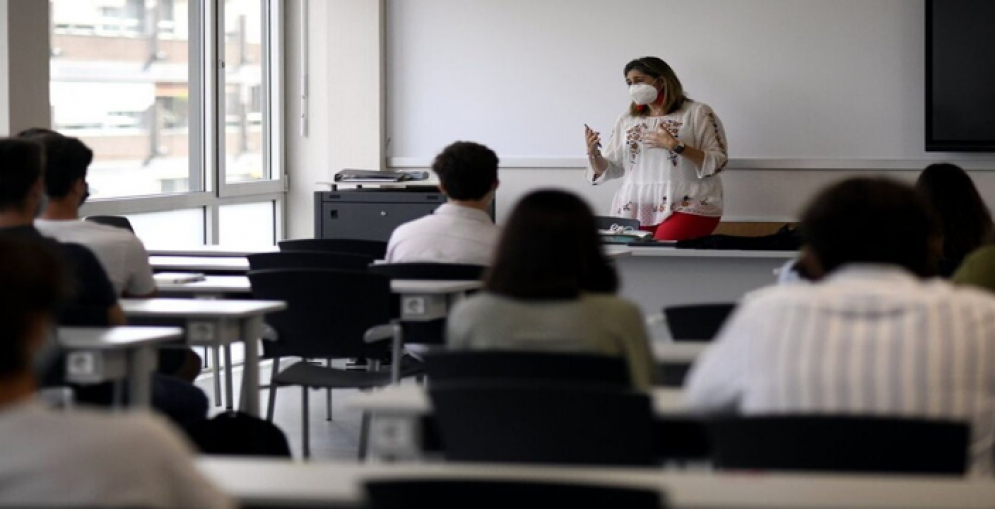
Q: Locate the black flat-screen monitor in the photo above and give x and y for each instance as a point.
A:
(960, 75)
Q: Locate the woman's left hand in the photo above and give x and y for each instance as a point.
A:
(660, 138)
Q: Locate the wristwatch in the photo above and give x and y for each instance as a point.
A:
(679, 149)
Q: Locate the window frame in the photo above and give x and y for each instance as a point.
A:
(208, 187)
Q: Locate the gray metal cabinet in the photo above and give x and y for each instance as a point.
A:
(370, 214)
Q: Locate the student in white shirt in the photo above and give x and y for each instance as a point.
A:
(119, 251)
(78, 458)
(872, 336)
(460, 231)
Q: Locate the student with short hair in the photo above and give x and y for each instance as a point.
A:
(459, 231)
(552, 289)
(75, 457)
(120, 252)
(875, 335)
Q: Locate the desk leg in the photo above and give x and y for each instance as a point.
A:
(252, 330)
(141, 363)
(229, 397)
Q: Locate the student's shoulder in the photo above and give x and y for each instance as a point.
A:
(610, 304)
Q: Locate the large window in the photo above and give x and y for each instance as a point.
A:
(175, 97)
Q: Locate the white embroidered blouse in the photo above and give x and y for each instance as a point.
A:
(658, 182)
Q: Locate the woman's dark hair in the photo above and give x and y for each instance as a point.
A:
(871, 220)
(32, 285)
(965, 221)
(550, 249)
(672, 88)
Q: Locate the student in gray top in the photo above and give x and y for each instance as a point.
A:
(551, 288)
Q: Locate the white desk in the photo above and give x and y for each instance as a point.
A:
(233, 264)
(654, 277)
(99, 354)
(217, 323)
(211, 251)
(211, 286)
(286, 483)
(423, 300)
(677, 352)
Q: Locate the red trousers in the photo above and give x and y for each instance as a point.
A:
(681, 226)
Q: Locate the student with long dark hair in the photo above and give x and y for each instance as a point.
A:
(964, 218)
(552, 289)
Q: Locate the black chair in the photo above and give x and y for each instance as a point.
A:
(462, 493)
(696, 322)
(309, 260)
(429, 332)
(430, 271)
(115, 221)
(469, 365)
(374, 248)
(606, 222)
(838, 443)
(330, 315)
(530, 422)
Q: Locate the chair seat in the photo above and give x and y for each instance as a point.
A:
(303, 373)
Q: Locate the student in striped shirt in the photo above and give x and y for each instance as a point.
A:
(875, 335)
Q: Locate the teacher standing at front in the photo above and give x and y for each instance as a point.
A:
(669, 151)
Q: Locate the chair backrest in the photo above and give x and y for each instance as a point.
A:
(375, 248)
(529, 422)
(328, 311)
(309, 260)
(606, 222)
(469, 365)
(462, 493)
(115, 221)
(696, 322)
(430, 271)
(839, 443)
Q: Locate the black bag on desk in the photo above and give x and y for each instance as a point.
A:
(786, 239)
(239, 434)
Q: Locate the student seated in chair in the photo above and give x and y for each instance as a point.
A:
(552, 289)
(459, 231)
(75, 457)
(121, 253)
(94, 302)
(873, 335)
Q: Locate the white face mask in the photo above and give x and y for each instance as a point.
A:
(642, 93)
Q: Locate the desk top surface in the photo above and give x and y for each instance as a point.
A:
(197, 308)
(677, 351)
(210, 251)
(240, 284)
(289, 483)
(414, 400)
(200, 263)
(673, 252)
(115, 337)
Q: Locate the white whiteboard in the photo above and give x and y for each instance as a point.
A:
(791, 79)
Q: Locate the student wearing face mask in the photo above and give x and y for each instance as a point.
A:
(669, 151)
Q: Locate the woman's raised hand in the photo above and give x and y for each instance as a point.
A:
(659, 138)
(593, 141)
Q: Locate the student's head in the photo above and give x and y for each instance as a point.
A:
(964, 218)
(550, 249)
(870, 220)
(66, 163)
(32, 286)
(21, 165)
(467, 171)
(654, 71)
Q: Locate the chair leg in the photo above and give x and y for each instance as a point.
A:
(305, 431)
(272, 390)
(216, 368)
(229, 392)
(364, 435)
(328, 399)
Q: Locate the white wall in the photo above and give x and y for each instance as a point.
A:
(871, 50)
(24, 57)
